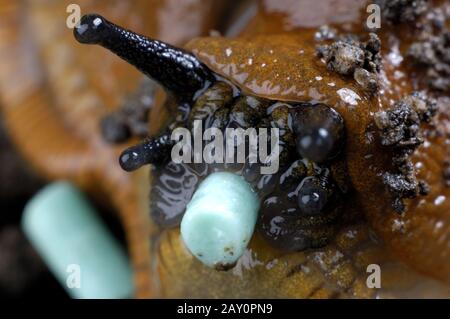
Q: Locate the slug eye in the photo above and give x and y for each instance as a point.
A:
(91, 29)
(319, 132)
(312, 196)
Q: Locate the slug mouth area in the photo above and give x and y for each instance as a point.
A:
(301, 200)
(306, 200)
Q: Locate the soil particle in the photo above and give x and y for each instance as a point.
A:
(400, 125)
(351, 57)
(224, 267)
(430, 50)
(366, 79)
(400, 129)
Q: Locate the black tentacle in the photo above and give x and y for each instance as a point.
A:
(177, 70)
(152, 151)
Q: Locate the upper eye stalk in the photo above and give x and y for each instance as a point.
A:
(177, 70)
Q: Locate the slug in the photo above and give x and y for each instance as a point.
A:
(307, 223)
(362, 157)
(317, 130)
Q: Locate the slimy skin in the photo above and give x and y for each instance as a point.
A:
(424, 228)
(371, 231)
(220, 220)
(300, 76)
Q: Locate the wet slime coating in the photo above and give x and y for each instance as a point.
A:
(315, 131)
(222, 104)
(312, 196)
(417, 238)
(319, 132)
(347, 55)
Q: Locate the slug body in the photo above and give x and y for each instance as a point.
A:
(270, 72)
(317, 131)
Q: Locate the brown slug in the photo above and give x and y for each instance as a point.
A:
(271, 75)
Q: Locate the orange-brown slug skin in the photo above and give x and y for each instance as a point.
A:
(284, 66)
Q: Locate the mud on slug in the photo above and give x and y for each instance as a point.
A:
(324, 163)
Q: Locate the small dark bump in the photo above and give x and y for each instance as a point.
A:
(291, 226)
(319, 132)
(424, 188)
(446, 173)
(398, 205)
(312, 196)
(224, 267)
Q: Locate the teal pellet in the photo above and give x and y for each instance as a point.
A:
(76, 246)
(220, 220)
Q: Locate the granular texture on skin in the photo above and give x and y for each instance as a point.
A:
(399, 11)
(400, 129)
(349, 56)
(400, 124)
